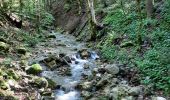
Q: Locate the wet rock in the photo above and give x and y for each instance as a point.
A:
(51, 64)
(21, 50)
(85, 86)
(135, 91)
(104, 80)
(119, 92)
(127, 44)
(86, 94)
(54, 62)
(67, 59)
(40, 82)
(158, 98)
(84, 53)
(34, 69)
(112, 69)
(47, 92)
(3, 46)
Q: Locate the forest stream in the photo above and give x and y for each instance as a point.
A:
(76, 64)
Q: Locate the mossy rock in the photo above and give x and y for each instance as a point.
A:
(3, 46)
(21, 50)
(127, 44)
(7, 95)
(4, 85)
(11, 73)
(34, 69)
(51, 83)
(40, 82)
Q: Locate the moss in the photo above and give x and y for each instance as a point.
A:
(51, 83)
(3, 84)
(40, 82)
(11, 73)
(34, 69)
(7, 95)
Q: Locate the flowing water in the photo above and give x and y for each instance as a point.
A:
(67, 44)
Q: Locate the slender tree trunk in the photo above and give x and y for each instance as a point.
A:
(139, 37)
(92, 20)
(149, 8)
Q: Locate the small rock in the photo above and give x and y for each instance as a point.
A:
(86, 94)
(21, 50)
(67, 59)
(158, 98)
(103, 81)
(135, 91)
(112, 69)
(34, 69)
(3, 46)
(84, 53)
(85, 86)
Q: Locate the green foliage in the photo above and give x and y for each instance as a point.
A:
(153, 62)
(47, 19)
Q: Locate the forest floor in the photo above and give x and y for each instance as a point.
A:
(60, 68)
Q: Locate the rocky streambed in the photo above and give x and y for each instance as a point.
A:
(60, 68)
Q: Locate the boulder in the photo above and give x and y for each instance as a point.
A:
(40, 82)
(3, 46)
(34, 69)
(21, 50)
(104, 80)
(112, 69)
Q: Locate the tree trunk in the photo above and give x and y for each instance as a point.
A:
(92, 20)
(139, 37)
(149, 8)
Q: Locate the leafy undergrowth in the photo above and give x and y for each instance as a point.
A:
(151, 58)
